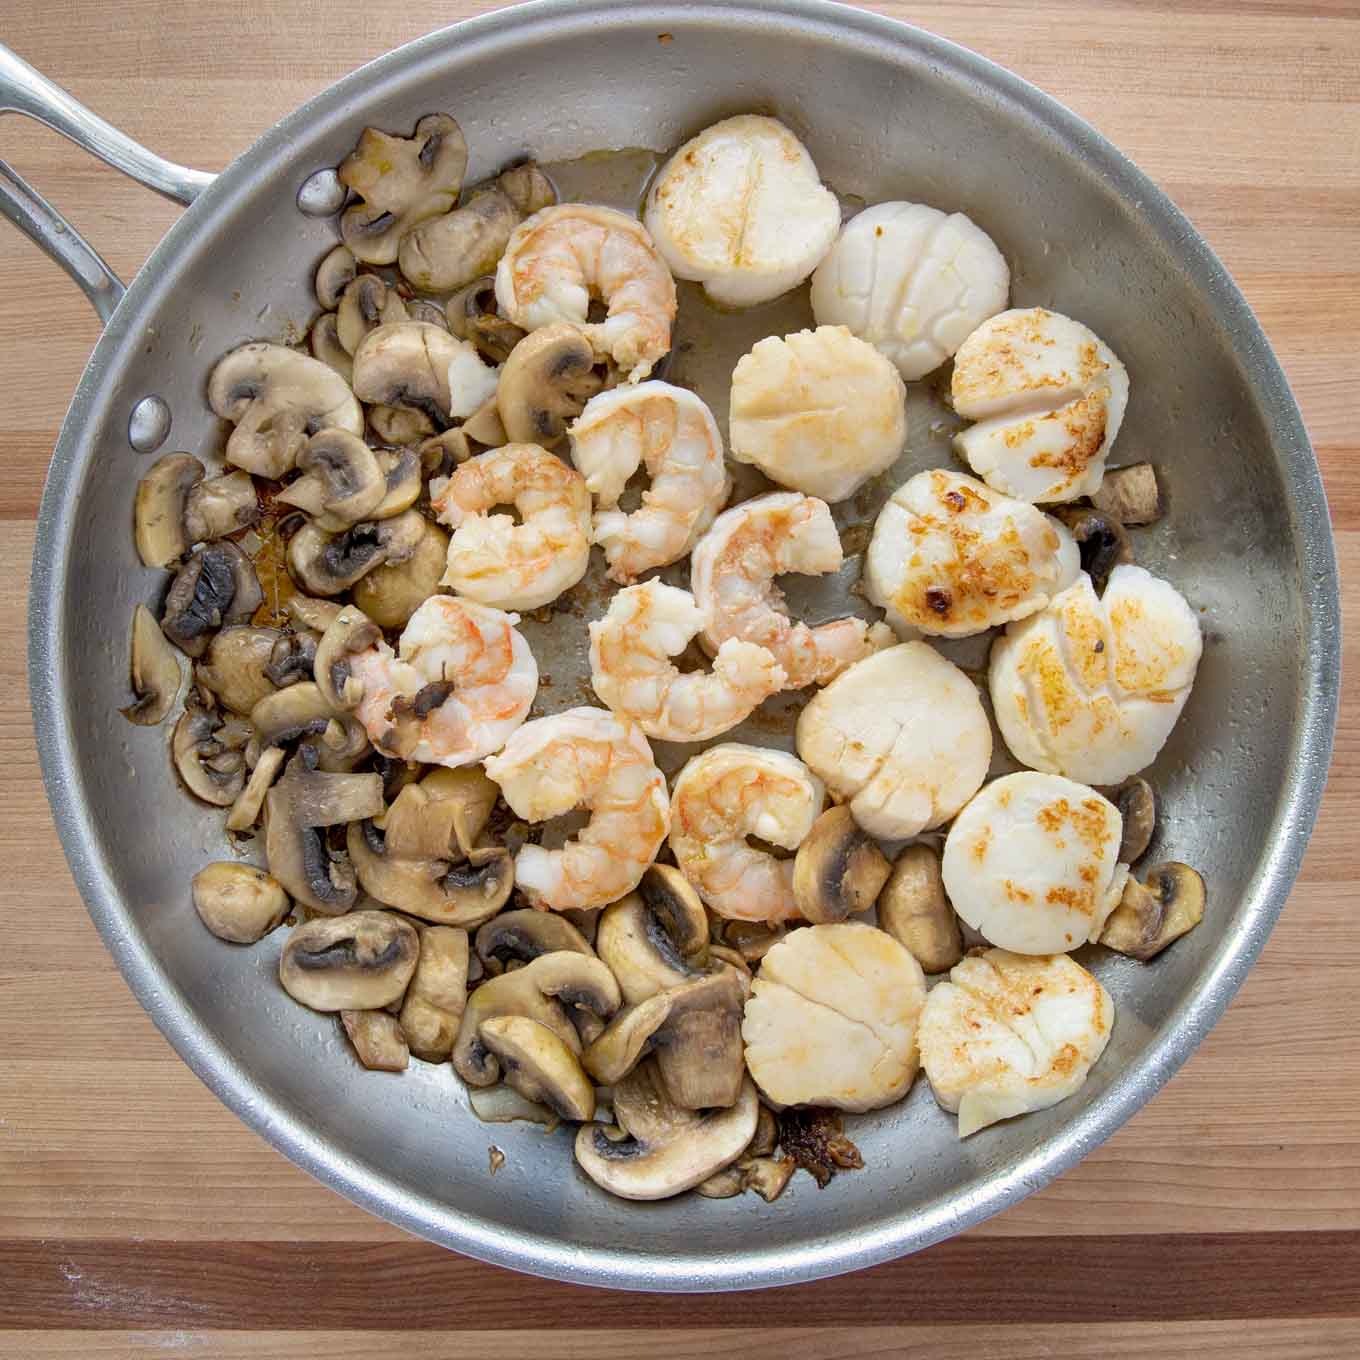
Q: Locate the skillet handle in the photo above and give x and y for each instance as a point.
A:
(27, 91)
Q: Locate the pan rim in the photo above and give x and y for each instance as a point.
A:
(837, 1251)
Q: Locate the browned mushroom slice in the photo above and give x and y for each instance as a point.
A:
(838, 870)
(657, 1148)
(245, 811)
(327, 564)
(400, 470)
(357, 962)
(390, 593)
(815, 1140)
(751, 939)
(318, 615)
(366, 304)
(1137, 806)
(546, 381)
(235, 669)
(209, 754)
(485, 425)
(341, 484)
(288, 715)
(216, 586)
(334, 274)
(435, 1000)
(406, 364)
(352, 632)
(292, 659)
(514, 938)
(472, 316)
(403, 181)
(444, 452)
(1151, 914)
(441, 817)
(155, 671)
(297, 808)
(656, 937)
(914, 910)
(220, 506)
(584, 986)
(276, 398)
(239, 902)
(323, 340)
(1130, 494)
(377, 1039)
(538, 1065)
(1101, 540)
(399, 425)
(158, 509)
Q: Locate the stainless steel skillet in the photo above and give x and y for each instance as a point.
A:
(888, 112)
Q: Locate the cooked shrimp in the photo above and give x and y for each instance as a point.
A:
(591, 758)
(722, 796)
(631, 669)
(673, 434)
(460, 683)
(732, 575)
(491, 558)
(561, 258)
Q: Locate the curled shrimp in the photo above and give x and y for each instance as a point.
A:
(591, 758)
(492, 559)
(562, 257)
(673, 434)
(733, 569)
(722, 796)
(632, 671)
(460, 683)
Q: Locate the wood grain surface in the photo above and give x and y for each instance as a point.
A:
(138, 1216)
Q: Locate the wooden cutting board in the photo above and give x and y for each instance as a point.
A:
(138, 1216)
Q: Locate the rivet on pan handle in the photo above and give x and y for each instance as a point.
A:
(24, 90)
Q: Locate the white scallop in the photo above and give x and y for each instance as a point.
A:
(1009, 1033)
(1091, 688)
(1049, 397)
(1031, 863)
(949, 557)
(902, 737)
(819, 411)
(741, 209)
(911, 280)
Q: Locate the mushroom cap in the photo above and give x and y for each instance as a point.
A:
(209, 754)
(583, 985)
(392, 591)
(220, 506)
(538, 1065)
(437, 994)
(356, 962)
(367, 303)
(838, 870)
(327, 564)
(216, 585)
(1151, 914)
(445, 253)
(235, 666)
(277, 397)
(158, 508)
(239, 902)
(521, 936)
(341, 484)
(659, 1149)
(353, 631)
(914, 910)
(334, 274)
(546, 381)
(655, 937)
(154, 671)
(406, 364)
(442, 816)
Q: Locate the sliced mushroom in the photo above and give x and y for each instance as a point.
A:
(403, 181)
(422, 309)
(377, 1039)
(914, 910)
(516, 993)
(217, 585)
(406, 364)
(277, 397)
(657, 1148)
(464, 894)
(324, 342)
(341, 484)
(1151, 914)
(1130, 494)
(546, 381)
(158, 509)
(838, 870)
(318, 615)
(444, 452)
(367, 304)
(296, 808)
(695, 1032)
(527, 187)
(767, 1176)
(245, 811)
(472, 316)
(400, 470)
(292, 659)
(437, 996)
(441, 817)
(234, 669)
(327, 564)
(286, 715)
(389, 594)
(447, 252)
(583, 985)
(751, 939)
(814, 1138)
(209, 754)
(239, 902)
(155, 671)
(399, 425)
(500, 1105)
(361, 961)
(1101, 540)
(334, 274)
(485, 425)
(538, 1065)
(656, 937)
(515, 938)
(1137, 806)
(220, 506)
(352, 632)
